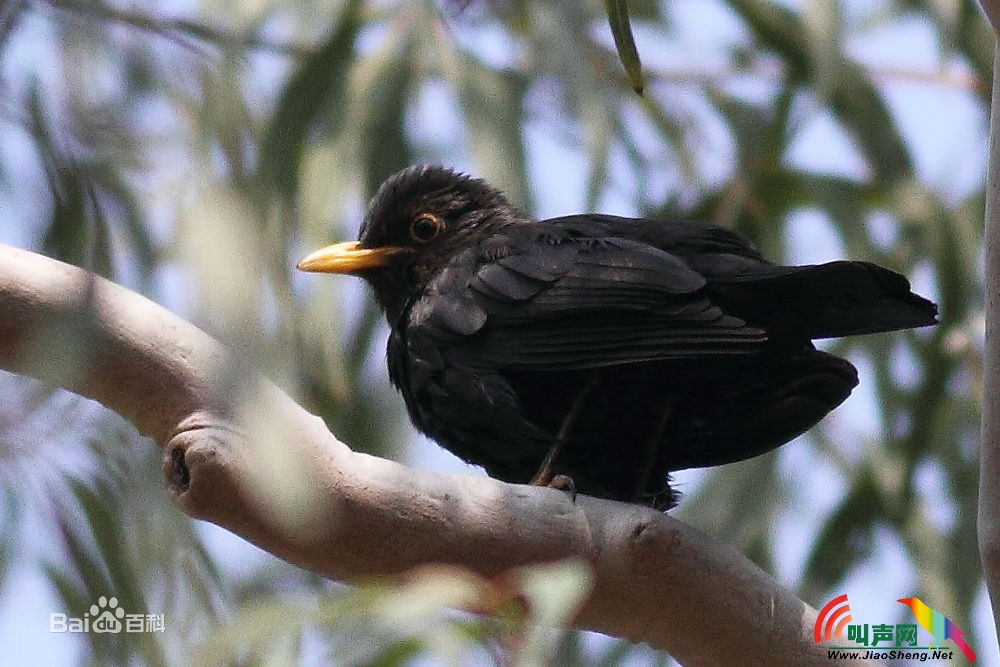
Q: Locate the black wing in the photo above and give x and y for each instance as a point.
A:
(800, 302)
(550, 297)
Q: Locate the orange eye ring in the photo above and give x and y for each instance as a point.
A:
(426, 227)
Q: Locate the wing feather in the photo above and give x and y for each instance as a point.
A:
(544, 303)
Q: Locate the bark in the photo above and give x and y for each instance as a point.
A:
(240, 453)
(992, 10)
(989, 471)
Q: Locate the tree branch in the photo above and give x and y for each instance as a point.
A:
(989, 452)
(283, 482)
(992, 10)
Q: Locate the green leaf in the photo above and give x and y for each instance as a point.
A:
(621, 30)
(383, 89)
(317, 86)
(600, 127)
(846, 537)
(494, 130)
(852, 97)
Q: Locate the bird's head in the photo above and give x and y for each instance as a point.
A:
(418, 219)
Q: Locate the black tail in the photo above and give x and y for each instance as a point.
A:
(762, 405)
(825, 300)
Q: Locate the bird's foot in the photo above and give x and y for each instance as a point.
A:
(564, 483)
(545, 477)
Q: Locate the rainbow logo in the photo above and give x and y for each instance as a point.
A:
(832, 619)
(940, 626)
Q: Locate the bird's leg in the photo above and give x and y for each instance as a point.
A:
(544, 476)
(652, 449)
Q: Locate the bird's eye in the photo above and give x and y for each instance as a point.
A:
(426, 227)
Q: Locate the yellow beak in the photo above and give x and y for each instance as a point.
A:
(347, 257)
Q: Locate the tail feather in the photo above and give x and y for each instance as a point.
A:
(826, 300)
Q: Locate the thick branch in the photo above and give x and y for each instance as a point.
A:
(989, 470)
(992, 10)
(286, 484)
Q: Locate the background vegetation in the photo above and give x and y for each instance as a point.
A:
(194, 150)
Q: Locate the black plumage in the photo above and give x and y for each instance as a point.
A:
(639, 346)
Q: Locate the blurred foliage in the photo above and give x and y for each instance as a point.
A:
(194, 151)
(394, 621)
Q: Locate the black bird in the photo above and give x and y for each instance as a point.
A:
(603, 350)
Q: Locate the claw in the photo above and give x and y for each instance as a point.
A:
(564, 483)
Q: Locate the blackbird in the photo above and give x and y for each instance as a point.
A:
(603, 352)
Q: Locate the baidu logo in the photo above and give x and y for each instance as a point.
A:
(106, 616)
